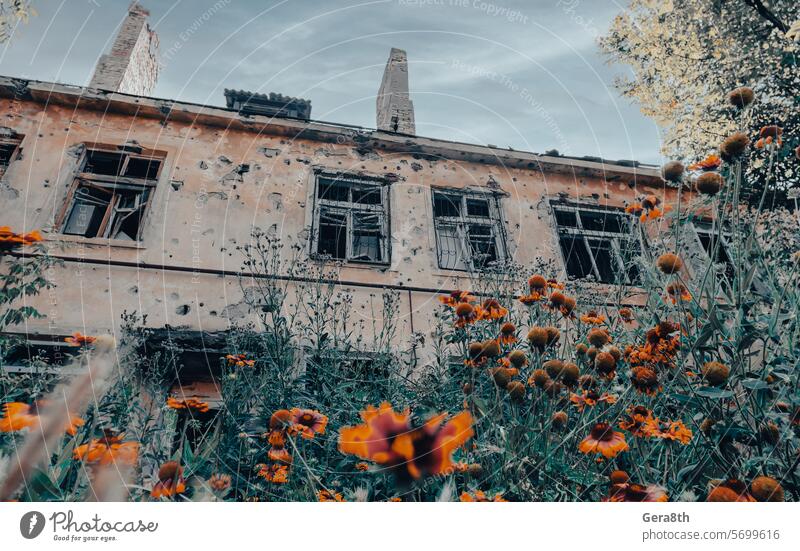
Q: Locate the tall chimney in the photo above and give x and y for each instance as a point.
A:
(131, 67)
(395, 112)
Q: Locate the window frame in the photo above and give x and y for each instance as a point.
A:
(113, 184)
(615, 238)
(461, 222)
(15, 140)
(349, 209)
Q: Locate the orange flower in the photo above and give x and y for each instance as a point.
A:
(239, 360)
(677, 291)
(17, 416)
(10, 240)
(769, 135)
(591, 398)
(307, 423)
(277, 474)
(593, 318)
(479, 496)
(626, 314)
(80, 340)
(508, 333)
(456, 297)
(465, 314)
(387, 438)
(188, 403)
(645, 380)
(220, 483)
(730, 490)
(602, 439)
(109, 449)
(491, 310)
(362, 466)
(673, 431)
(329, 496)
(170, 481)
(712, 162)
(647, 208)
(639, 422)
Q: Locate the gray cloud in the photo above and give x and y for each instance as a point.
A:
(523, 74)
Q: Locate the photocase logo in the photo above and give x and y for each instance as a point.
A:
(31, 524)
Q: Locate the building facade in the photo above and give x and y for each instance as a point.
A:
(146, 200)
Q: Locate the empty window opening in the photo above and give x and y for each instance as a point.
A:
(8, 151)
(598, 243)
(351, 220)
(469, 232)
(109, 197)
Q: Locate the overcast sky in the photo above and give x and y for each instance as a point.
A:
(520, 73)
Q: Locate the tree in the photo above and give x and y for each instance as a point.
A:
(11, 12)
(687, 55)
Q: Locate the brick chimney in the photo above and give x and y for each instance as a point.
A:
(395, 112)
(131, 67)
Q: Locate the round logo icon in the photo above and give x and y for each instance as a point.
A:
(31, 524)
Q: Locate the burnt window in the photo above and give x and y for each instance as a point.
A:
(351, 220)
(598, 243)
(9, 144)
(469, 232)
(110, 194)
(42, 354)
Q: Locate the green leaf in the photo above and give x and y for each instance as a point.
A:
(712, 392)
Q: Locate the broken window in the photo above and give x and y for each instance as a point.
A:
(469, 234)
(8, 150)
(598, 243)
(351, 219)
(41, 354)
(110, 195)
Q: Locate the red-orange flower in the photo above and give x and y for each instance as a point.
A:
(491, 310)
(388, 438)
(188, 403)
(508, 333)
(769, 135)
(170, 481)
(639, 422)
(465, 314)
(10, 240)
(456, 297)
(645, 380)
(712, 162)
(673, 431)
(591, 398)
(603, 439)
(80, 340)
(277, 474)
(307, 423)
(593, 318)
(239, 360)
(479, 496)
(677, 291)
(329, 496)
(17, 416)
(109, 449)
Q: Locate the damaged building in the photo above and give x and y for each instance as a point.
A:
(146, 200)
